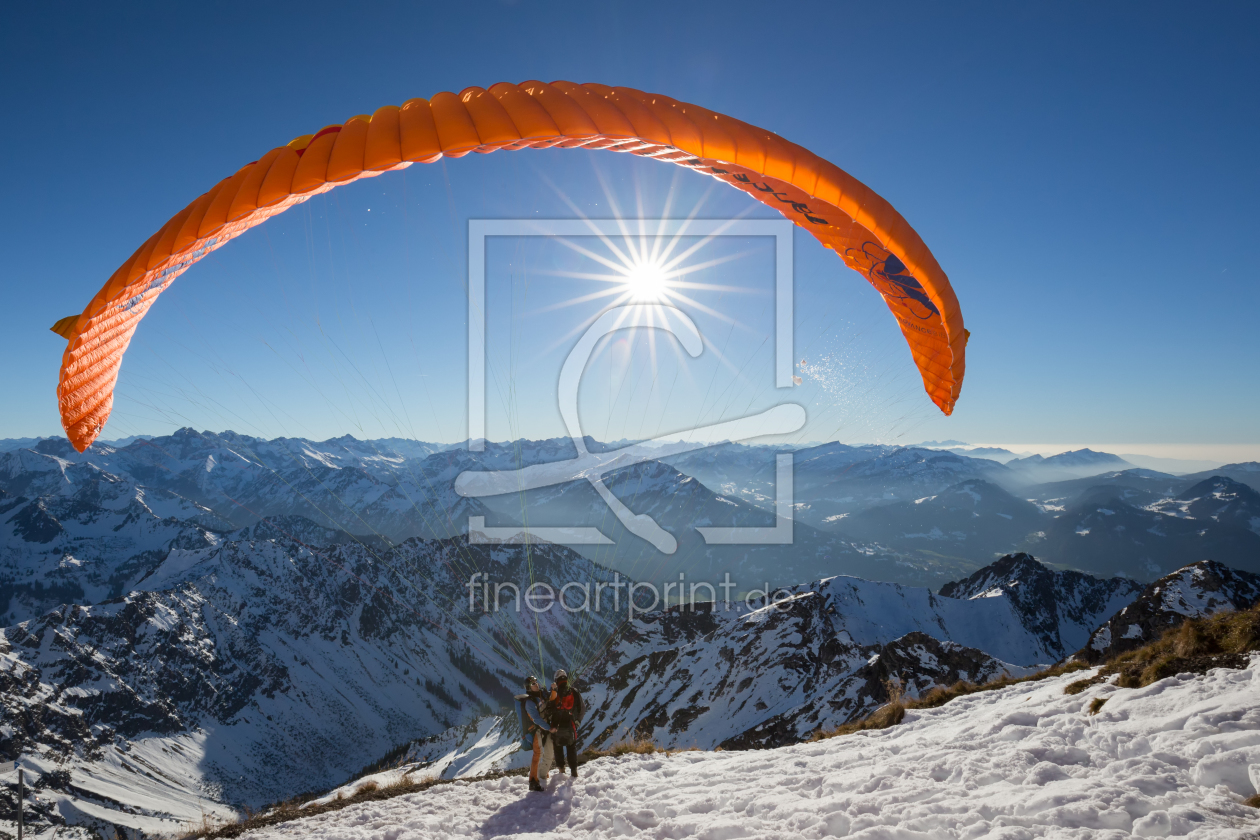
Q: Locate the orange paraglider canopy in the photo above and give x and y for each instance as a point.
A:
(841, 212)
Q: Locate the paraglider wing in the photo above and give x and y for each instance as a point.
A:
(65, 326)
(841, 212)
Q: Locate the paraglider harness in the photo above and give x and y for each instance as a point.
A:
(528, 725)
(527, 728)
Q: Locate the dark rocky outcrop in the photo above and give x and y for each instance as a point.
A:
(1197, 590)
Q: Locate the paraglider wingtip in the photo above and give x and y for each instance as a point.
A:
(65, 326)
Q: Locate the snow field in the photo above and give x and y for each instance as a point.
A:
(1173, 759)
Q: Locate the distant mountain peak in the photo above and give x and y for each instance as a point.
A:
(1005, 571)
(1086, 456)
(1218, 484)
(58, 447)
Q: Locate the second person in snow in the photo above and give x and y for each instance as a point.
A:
(564, 712)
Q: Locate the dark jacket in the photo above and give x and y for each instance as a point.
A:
(565, 708)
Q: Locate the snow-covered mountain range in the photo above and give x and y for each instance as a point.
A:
(761, 676)
(201, 621)
(822, 654)
(851, 503)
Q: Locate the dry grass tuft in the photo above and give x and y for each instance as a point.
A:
(890, 714)
(1195, 646)
(1078, 686)
(1254, 801)
(639, 745)
(209, 824)
(292, 809)
(406, 783)
(940, 695)
(1095, 705)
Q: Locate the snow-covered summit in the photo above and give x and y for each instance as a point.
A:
(1062, 607)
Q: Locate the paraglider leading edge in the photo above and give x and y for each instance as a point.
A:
(842, 213)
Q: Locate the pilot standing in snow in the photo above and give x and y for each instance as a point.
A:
(534, 727)
(564, 711)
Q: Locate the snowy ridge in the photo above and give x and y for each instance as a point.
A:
(1026, 761)
(87, 536)
(395, 489)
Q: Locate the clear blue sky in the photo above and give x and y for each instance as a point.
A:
(1086, 173)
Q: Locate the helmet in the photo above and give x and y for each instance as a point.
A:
(530, 680)
(561, 675)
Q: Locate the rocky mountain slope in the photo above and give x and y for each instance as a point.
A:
(1196, 590)
(70, 533)
(1060, 607)
(259, 666)
(822, 654)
